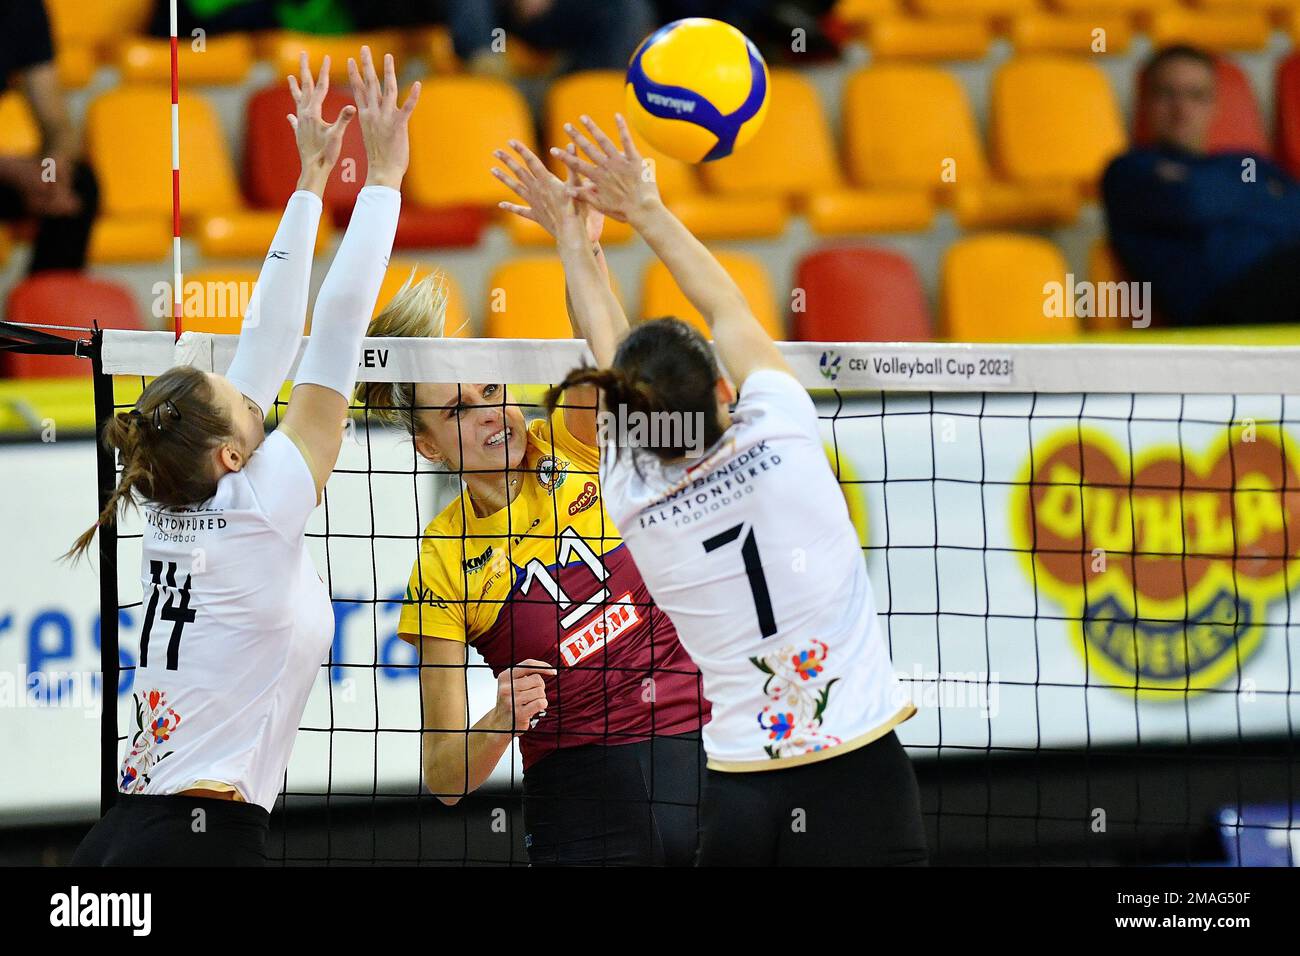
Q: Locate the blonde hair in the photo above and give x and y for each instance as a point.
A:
(418, 310)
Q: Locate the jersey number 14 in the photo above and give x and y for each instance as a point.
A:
(179, 615)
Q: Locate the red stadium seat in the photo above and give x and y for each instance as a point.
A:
(271, 171)
(65, 298)
(1238, 125)
(1288, 114)
(860, 294)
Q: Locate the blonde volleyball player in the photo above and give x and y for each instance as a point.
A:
(526, 567)
(804, 765)
(236, 620)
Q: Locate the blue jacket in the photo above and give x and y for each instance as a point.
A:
(1191, 225)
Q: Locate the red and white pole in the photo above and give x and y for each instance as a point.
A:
(176, 181)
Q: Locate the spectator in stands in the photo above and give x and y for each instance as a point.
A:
(1217, 235)
(591, 34)
(55, 188)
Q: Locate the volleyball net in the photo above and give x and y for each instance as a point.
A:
(1084, 558)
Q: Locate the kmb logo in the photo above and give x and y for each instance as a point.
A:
(1165, 566)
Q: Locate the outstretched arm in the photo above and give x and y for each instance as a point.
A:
(594, 310)
(620, 186)
(328, 374)
(272, 328)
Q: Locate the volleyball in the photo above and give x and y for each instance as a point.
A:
(697, 89)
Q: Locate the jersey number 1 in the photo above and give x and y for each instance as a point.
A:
(179, 616)
(753, 570)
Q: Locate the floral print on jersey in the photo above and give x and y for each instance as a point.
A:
(793, 718)
(155, 723)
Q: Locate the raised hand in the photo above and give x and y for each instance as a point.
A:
(617, 182)
(549, 203)
(383, 122)
(319, 142)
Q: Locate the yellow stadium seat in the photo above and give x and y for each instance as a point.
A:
(1071, 33)
(526, 301)
(1211, 29)
(732, 217)
(282, 48)
(841, 211)
(129, 142)
(461, 120)
(910, 127)
(6, 245)
(793, 153)
(223, 59)
(1235, 5)
(214, 300)
(661, 297)
(973, 8)
(96, 25)
(19, 133)
(116, 239)
(858, 13)
(994, 290)
(458, 323)
(1054, 119)
(75, 65)
(1113, 6)
(434, 46)
(918, 39)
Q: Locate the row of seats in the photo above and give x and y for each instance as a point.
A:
(964, 29)
(911, 145)
(844, 293)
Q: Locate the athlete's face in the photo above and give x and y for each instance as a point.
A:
(469, 427)
(246, 424)
(1180, 104)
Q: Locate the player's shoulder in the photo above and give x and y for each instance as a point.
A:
(771, 391)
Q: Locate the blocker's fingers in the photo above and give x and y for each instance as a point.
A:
(510, 183)
(535, 165)
(584, 144)
(293, 122)
(323, 81)
(524, 212)
(390, 81)
(598, 134)
(304, 73)
(368, 74)
(345, 116)
(412, 98)
(522, 174)
(579, 166)
(625, 134)
(295, 89)
(355, 81)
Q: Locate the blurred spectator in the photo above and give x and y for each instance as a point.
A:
(55, 188)
(1217, 236)
(591, 34)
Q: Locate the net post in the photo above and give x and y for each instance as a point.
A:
(106, 481)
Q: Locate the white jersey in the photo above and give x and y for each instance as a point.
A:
(236, 626)
(751, 553)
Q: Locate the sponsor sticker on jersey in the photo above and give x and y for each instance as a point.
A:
(614, 620)
(586, 498)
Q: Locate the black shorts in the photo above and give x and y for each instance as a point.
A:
(862, 808)
(148, 830)
(633, 804)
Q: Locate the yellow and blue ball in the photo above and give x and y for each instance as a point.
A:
(697, 89)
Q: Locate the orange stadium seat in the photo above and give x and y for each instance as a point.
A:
(993, 289)
(859, 294)
(434, 46)
(1287, 102)
(223, 59)
(19, 133)
(75, 65)
(96, 26)
(1071, 33)
(460, 121)
(271, 172)
(282, 48)
(1054, 119)
(913, 38)
(458, 323)
(858, 14)
(1104, 266)
(214, 300)
(1093, 7)
(129, 140)
(1238, 124)
(973, 8)
(910, 127)
(526, 301)
(763, 168)
(660, 295)
(1220, 30)
(66, 298)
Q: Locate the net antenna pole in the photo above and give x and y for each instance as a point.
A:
(176, 180)
(106, 479)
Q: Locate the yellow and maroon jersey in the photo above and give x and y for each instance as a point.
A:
(549, 578)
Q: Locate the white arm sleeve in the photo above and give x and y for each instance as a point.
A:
(347, 297)
(272, 328)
